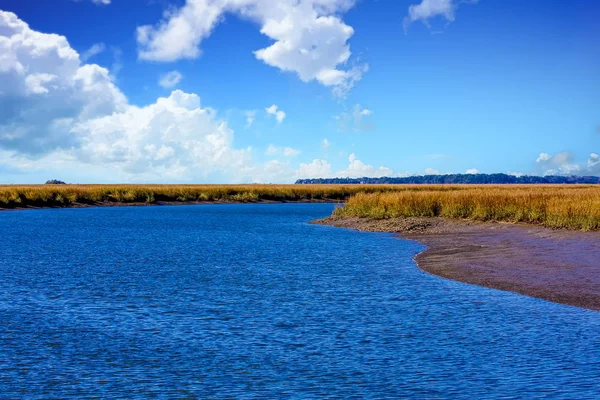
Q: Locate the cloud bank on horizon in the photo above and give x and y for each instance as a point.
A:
(59, 112)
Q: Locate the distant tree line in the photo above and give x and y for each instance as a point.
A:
(475, 179)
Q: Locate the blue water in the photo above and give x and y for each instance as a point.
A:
(244, 301)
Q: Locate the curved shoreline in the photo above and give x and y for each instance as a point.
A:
(169, 203)
(558, 266)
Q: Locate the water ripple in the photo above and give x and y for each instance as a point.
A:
(249, 301)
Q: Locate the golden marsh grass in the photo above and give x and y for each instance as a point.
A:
(574, 207)
(12, 196)
(554, 206)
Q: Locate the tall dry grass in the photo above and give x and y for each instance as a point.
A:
(574, 207)
(66, 195)
(554, 206)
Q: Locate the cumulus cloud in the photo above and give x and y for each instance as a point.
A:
(57, 113)
(355, 120)
(563, 164)
(472, 171)
(45, 90)
(428, 9)
(174, 137)
(93, 51)
(432, 171)
(315, 169)
(358, 169)
(170, 79)
(319, 168)
(54, 110)
(325, 143)
(309, 38)
(276, 112)
(557, 164)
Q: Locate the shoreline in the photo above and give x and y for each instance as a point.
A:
(168, 203)
(555, 265)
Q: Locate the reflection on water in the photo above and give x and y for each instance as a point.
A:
(250, 301)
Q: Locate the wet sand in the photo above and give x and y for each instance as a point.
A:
(559, 266)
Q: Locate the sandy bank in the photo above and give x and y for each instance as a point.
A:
(559, 266)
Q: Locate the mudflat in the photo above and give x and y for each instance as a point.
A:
(556, 265)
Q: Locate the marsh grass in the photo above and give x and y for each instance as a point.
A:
(554, 206)
(574, 207)
(67, 195)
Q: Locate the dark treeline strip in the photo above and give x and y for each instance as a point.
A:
(457, 179)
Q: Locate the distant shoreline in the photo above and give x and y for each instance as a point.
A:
(555, 265)
(168, 203)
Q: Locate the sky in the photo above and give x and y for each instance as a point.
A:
(270, 91)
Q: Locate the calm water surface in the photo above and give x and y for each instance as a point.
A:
(244, 301)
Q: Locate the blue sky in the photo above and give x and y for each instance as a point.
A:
(271, 91)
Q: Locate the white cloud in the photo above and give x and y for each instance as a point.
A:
(309, 37)
(286, 151)
(355, 120)
(174, 137)
(428, 9)
(93, 51)
(170, 79)
(57, 114)
(45, 90)
(275, 111)
(562, 164)
(250, 117)
(54, 111)
(594, 164)
(431, 171)
(325, 143)
(290, 152)
(315, 169)
(543, 157)
(356, 169)
(558, 164)
(472, 171)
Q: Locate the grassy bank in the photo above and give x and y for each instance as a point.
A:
(554, 206)
(559, 207)
(68, 195)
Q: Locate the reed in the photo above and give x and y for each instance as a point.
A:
(575, 207)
